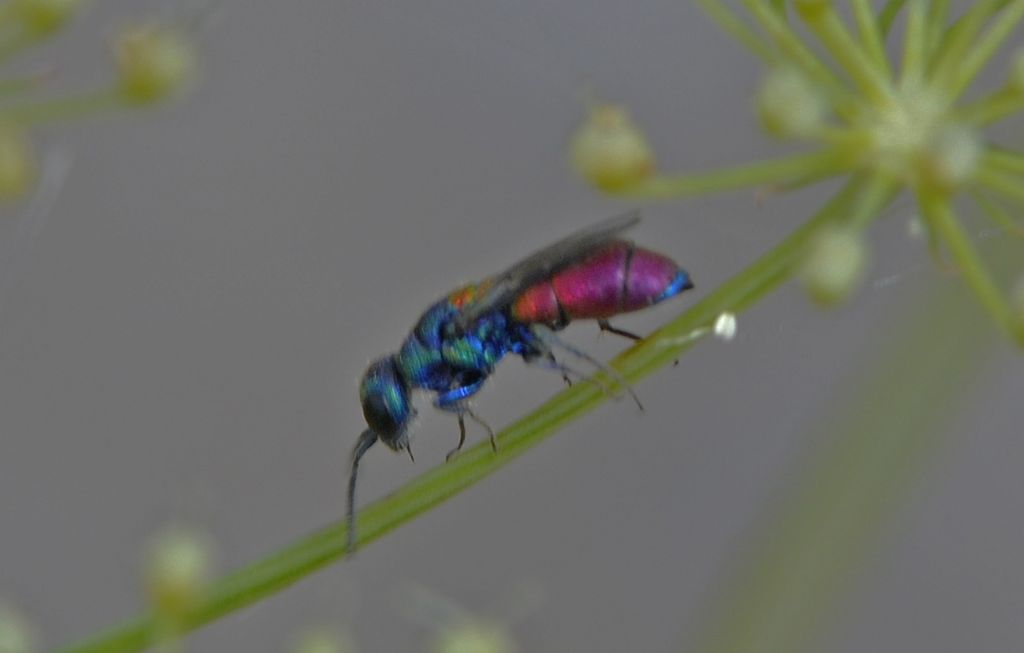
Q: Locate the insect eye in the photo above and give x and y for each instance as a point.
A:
(380, 415)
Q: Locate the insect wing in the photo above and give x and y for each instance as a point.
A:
(503, 288)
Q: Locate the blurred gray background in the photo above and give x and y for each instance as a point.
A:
(183, 338)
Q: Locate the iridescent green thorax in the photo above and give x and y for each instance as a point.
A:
(471, 353)
(438, 358)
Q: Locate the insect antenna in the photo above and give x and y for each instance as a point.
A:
(366, 440)
(548, 337)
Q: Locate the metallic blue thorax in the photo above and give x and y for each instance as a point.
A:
(438, 357)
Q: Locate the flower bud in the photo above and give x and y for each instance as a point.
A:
(15, 632)
(950, 159)
(322, 641)
(177, 570)
(43, 17)
(834, 266)
(474, 636)
(788, 105)
(153, 62)
(18, 169)
(609, 151)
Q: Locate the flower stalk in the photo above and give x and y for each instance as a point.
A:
(905, 131)
(153, 63)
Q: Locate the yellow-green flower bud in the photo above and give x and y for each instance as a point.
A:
(153, 62)
(788, 105)
(834, 266)
(44, 16)
(474, 636)
(609, 151)
(176, 572)
(950, 159)
(322, 641)
(15, 632)
(18, 169)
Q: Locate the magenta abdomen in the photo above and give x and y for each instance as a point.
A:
(617, 278)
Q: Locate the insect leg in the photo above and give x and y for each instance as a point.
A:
(455, 401)
(490, 432)
(548, 337)
(462, 411)
(605, 325)
(552, 363)
(451, 399)
(462, 439)
(548, 361)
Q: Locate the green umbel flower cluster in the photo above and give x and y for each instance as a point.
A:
(891, 124)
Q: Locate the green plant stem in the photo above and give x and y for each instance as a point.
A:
(832, 32)
(289, 565)
(801, 56)
(957, 40)
(980, 55)
(65, 108)
(878, 191)
(992, 107)
(1004, 160)
(938, 14)
(997, 214)
(871, 36)
(887, 16)
(731, 24)
(915, 43)
(991, 176)
(820, 164)
(940, 218)
(885, 432)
